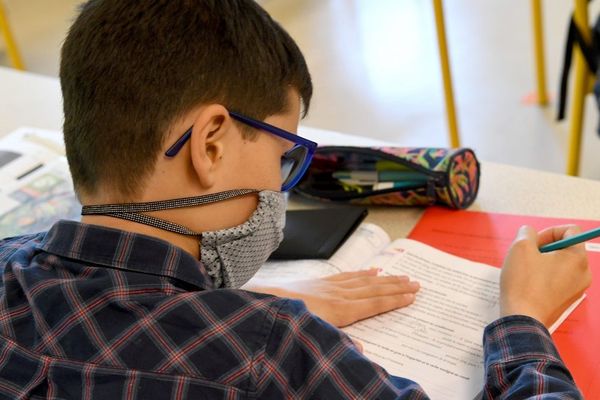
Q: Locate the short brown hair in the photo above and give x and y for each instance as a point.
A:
(129, 69)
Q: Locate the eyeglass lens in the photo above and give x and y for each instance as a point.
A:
(291, 163)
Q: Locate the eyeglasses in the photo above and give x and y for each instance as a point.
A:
(294, 162)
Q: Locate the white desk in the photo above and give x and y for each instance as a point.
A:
(32, 100)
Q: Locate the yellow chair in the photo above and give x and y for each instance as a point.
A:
(583, 78)
(11, 46)
(446, 74)
(538, 41)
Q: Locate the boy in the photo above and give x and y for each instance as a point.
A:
(177, 127)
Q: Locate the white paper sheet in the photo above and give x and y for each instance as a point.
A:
(437, 340)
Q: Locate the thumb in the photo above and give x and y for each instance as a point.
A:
(571, 231)
(359, 345)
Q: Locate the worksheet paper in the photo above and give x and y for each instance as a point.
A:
(437, 340)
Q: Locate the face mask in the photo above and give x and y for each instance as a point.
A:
(231, 256)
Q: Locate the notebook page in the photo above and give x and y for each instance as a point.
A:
(365, 243)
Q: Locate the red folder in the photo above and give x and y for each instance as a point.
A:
(486, 237)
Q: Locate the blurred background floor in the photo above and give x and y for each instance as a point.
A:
(376, 71)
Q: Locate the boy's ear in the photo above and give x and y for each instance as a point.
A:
(206, 143)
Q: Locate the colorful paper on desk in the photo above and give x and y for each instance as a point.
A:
(36, 189)
(486, 237)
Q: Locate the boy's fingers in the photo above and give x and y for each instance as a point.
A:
(556, 233)
(387, 289)
(351, 275)
(366, 281)
(572, 231)
(364, 308)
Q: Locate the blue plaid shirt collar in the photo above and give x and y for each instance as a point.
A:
(123, 250)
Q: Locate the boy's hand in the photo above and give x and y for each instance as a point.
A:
(345, 298)
(543, 285)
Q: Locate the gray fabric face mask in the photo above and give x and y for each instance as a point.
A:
(231, 256)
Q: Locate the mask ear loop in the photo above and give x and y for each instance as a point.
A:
(134, 211)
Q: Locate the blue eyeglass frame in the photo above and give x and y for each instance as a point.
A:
(297, 140)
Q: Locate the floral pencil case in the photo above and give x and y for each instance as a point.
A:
(392, 176)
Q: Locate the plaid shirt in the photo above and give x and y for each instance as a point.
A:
(93, 313)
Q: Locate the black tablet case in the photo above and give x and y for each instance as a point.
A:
(317, 234)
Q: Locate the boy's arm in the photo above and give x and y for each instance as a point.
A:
(521, 362)
(345, 298)
(305, 357)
